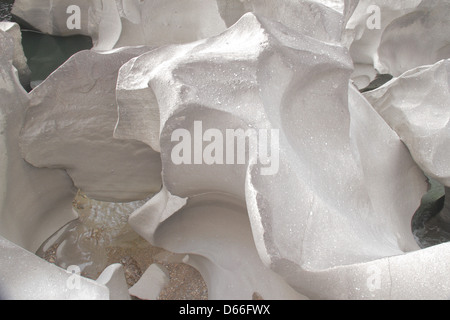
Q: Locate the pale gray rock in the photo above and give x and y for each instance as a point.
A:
(215, 230)
(96, 18)
(366, 21)
(382, 231)
(24, 276)
(113, 277)
(326, 216)
(312, 18)
(338, 5)
(419, 275)
(152, 282)
(114, 24)
(426, 30)
(380, 35)
(70, 125)
(163, 22)
(346, 193)
(19, 61)
(417, 106)
(363, 75)
(34, 203)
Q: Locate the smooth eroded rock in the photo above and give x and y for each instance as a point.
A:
(34, 203)
(366, 21)
(24, 276)
(114, 24)
(19, 61)
(417, 106)
(419, 38)
(70, 125)
(292, 91)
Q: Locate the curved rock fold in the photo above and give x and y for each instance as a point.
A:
(242, 123)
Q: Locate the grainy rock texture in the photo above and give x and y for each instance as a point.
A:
(34, 203)
(274, 177)
(70, 125)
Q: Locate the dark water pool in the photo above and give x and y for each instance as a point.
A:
(47, 53)
(5, 10)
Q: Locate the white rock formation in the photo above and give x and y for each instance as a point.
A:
(309, 17)
(160, 22)
(338, 5)
(366, 21)
(327, 215)
(34, 203)
(113, 24)
(299, 226)
(113, 277)
(70, 125)
(381, 35)
(215, 230)
(19, 61)
(149, 286)
(24, 276)
(96, 18)
(417, 106)
(426, 30)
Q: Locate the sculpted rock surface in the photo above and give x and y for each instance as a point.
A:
(381, 35)
(113, 277)
(311, 18)
(161, 22)
(274, 177)
(45, 281)
(19, 61)
(155, 278)
(427, 30)
(417, 106)
(34, 203)
(214, 229)
(340, 182)
(24, 276)
(366, 22)
(113, 24)
(70, 125)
